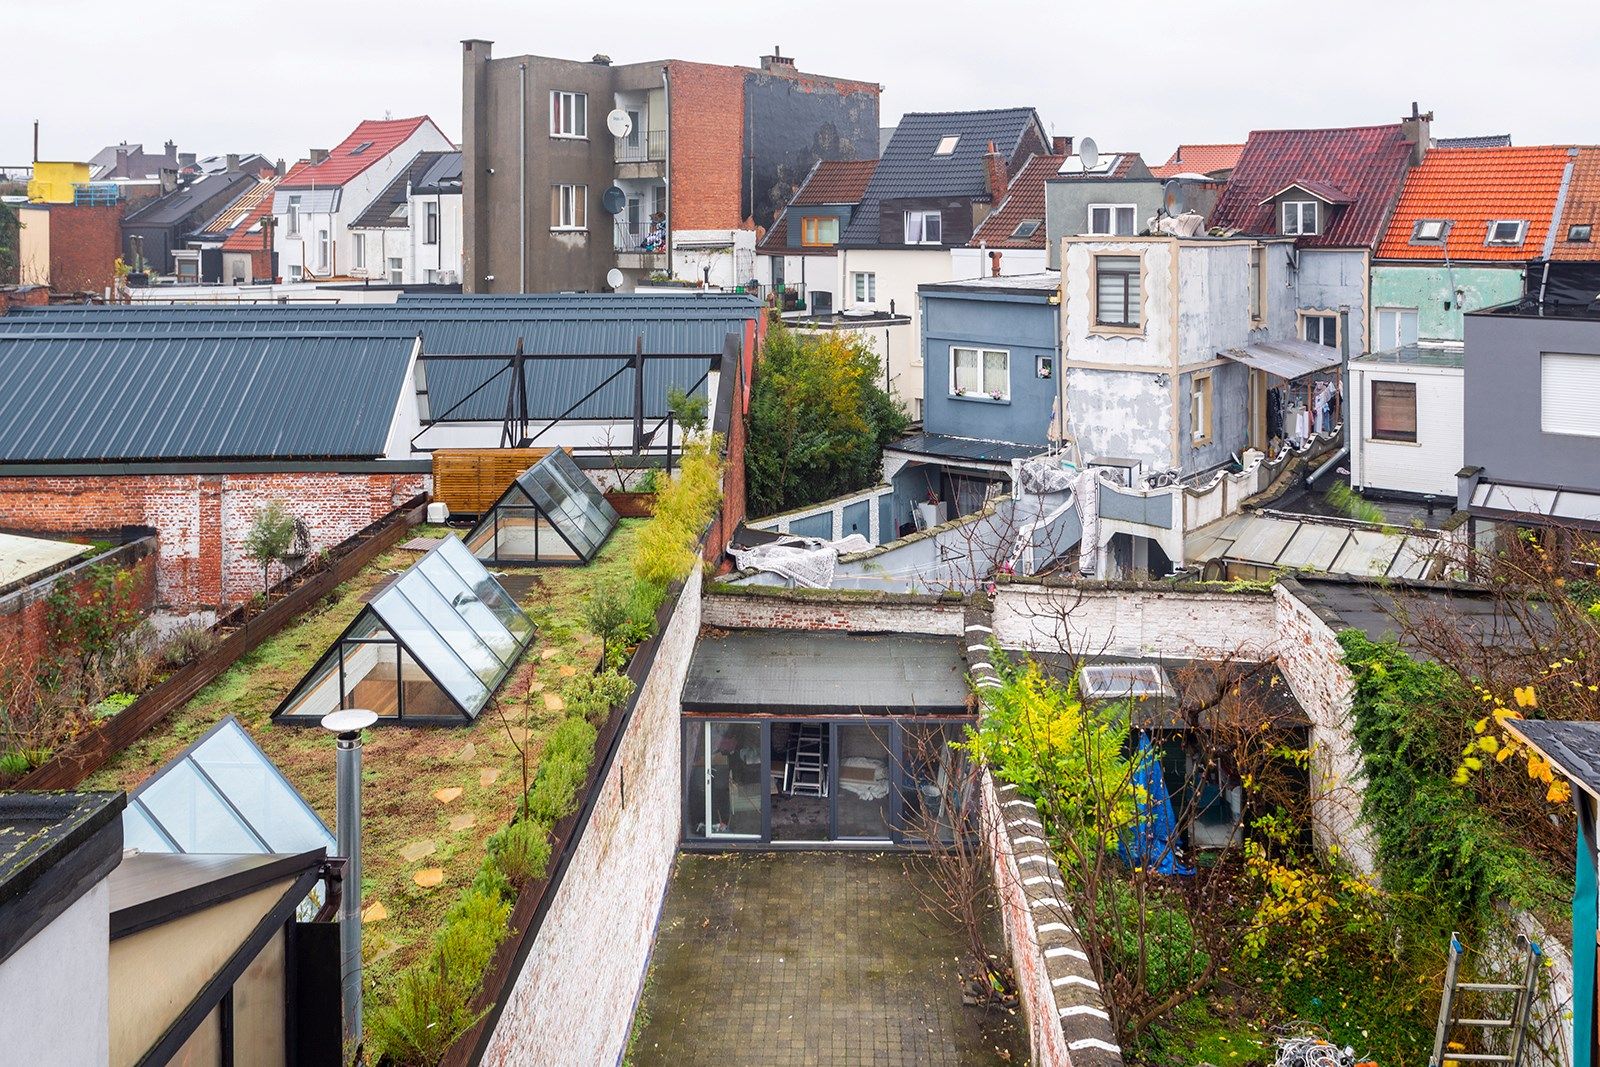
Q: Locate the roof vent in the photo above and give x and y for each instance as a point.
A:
(777, 60)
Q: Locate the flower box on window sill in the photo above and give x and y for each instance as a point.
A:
(981, 398)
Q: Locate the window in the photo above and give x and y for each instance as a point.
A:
(947, 145)
(1044, 366)
(1200, 409)
(924, 228)
(569, 114)
(1568, 384)
(358, 250)
(866, 286)
(297, 273)
(1505, 232)
(430, 222)
(294, 215)
(1300, 217)
(981, 372)
(1026, 228)
(819, 230)
(1396, 327)
(1112, 220)
(324, 250)
(360, 148)
(1116, 286)
(397, 271)
(1578, 232)
(1320, 329)
(1394, 411)
(1429, 231)
(569, 207)
(635, 127)
(1257, 285)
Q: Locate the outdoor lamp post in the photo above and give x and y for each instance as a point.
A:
(347, 724)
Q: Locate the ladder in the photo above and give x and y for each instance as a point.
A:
(808, 759)
(1521, 994)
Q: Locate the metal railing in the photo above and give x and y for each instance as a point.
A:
(642, 146)
(630, 240)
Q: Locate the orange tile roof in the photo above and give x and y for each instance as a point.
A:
(344, 162)
(1024, 200)
(836, 181)
(1199, 159)
(1471, 187)
(1582, 208)
(246, 236)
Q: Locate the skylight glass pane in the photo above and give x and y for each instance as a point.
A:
(432, 651)
(947, 145)
(461, 636)
(139, 831)
(255, 788)
(466, 603)
(194, 814)
(493, 595)
(318, 693)
(1123, 680)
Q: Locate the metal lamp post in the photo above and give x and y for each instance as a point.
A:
(347, 724)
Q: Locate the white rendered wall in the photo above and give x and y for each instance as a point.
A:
(54, 990)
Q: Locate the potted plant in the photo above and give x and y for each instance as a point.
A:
(637, 501)
(931, 510)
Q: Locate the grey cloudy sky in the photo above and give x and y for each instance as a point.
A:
(288, 75)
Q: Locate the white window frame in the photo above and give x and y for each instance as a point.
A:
(1201, 408)
(297, 273)
(1435, 233)
(1299, 228)
(358, 250)
(1395, 338)
(293, 226)
(864, 286)
(1112, 211)
(324, 251)
(572, 202)
(947, 145)
(430, 222)
(1566, 400)
(975, 387)
(564, 118)
(922, 216)
(396, 273)
(1490, 241)
(1323, 318)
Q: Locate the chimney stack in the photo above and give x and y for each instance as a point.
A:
(1061, 146)
(280, 171)
(998, 179)
(994, 262)
(233, 161)
(186, 159)
(777, 61)
(1417, 128)
(172, 151)
(318, 155)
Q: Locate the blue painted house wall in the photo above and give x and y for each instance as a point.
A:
(1024, 324)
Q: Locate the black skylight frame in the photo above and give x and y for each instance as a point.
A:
(560, 494)
(1026, 228)
(360, 148)
(1579, 232)
(417, 624)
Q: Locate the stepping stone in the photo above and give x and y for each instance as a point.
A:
(567, 670)
(463, 822)
(467, 752)
(536, 687)
(550, 653)
(552, 702)
(428, 877)
(447, 795)
(487, 775)
(374, 912)
(416, 850)
(519, 734)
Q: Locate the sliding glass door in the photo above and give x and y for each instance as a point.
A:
(726, 772)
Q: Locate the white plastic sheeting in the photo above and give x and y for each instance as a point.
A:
(806, 561)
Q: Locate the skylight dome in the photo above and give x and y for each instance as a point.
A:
(552, 513)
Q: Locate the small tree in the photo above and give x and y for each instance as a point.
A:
(690, 411)
(605, 612)
(270, 538)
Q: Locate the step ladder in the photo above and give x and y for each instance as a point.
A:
(809, 765)
(1521, 994)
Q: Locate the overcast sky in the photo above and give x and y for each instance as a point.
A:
(282, 77)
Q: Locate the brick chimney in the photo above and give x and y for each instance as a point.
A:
(995, 165)
(777, 61)
(318, 155)
(1061, 146)
(171, 151)
(1418, 130)
(994, 262)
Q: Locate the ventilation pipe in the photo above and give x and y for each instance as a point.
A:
(347, 725)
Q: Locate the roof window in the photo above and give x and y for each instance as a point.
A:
(360, 148)
(947, 145)
(1506, 232)
(1118, 680)
(1429, 230)
(1026, 228)
(1578, 232)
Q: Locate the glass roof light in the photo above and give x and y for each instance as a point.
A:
(551, 514)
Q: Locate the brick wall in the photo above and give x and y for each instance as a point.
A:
(573, 1001)
(707, 146)
(1134, 619)
(24, 612)
(201, 519)
(760, 608)
(84, 245)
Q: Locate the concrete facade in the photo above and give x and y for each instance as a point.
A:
(1067, 201)
(56, 988)
(1022, 323)
(1441, 295)
(896, 273)
(1326, 279)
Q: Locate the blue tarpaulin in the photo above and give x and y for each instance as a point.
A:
(1153, 841)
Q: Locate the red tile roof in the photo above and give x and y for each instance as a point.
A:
(1366, 163)
(831, 181)
(344, 163)
(1582, 208)
(1024, 200)
(1470, 187)
(242, 239)
(1199, 159)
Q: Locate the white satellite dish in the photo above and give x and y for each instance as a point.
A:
(614, 278)
(1088, 154)
(619, 123)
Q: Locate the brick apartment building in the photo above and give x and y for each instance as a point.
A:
(70, 248)
(554, 200)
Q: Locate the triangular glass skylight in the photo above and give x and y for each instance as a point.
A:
(431, 647)
(552, 513)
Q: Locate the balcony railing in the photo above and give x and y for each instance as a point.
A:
(642, 146)
(641, 240)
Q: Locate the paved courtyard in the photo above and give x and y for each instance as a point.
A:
(809, 958)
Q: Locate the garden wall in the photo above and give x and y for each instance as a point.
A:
(573, 997)
(769, 608)
(1134, 619)
(24, 630)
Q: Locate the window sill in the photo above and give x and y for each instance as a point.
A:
(569, 229)
(980, 398)
(569, 137)
(1393, 441)
(1116, 331)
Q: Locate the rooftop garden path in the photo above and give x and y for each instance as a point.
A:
(432, 795)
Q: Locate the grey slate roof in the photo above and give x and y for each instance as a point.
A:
(173, 208)
(819, 673)
(945, 446)
(908, 168)
(1488, 140)
(443, 177)
(1574, 748)
(93, 397)
(380, 213)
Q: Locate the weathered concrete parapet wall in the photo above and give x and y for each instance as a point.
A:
(574, 998)
(769, 608)
(1135, 619)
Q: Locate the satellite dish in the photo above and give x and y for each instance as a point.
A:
(619, 123)
(613, 200)
(1172, 197)
(614, 278)
(1088, 154)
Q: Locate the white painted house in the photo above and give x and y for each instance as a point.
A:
(1408, 405)
(313, 211)
(411, 232)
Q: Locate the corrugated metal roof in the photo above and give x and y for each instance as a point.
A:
(86, 396)
(1287, 359)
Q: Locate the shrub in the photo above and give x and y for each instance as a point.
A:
(1173, 954)
(270, 537)
(187, 642)
(594, 695)
(666, 549)
(605, 613)
(555, 790)
(573, 741)
(521, 851)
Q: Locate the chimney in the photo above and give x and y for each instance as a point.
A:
(318, 155)
(998, 179)
(1061, 146)
(233, 162)
(122, 161)
(777, 61)
(171, 151)
(994, 263)
(186, 159)
(1417, 128)
(280, 171)
(169, 179)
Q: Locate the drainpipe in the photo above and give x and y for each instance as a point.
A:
(347, 724)
(522, 177)
(672, 197)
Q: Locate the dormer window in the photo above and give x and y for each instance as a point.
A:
(1429, 231)
(1506, 232)
(947, 145)
(1026, 228)
(1578, 232)
(1300, 218)
(924, 228)
(819, 230)
(360, 148)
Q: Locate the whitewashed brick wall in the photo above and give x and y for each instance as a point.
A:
(1129, 620)
(787, 611)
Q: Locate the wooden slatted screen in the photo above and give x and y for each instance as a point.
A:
(470, 480)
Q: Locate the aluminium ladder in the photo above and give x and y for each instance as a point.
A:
(1522, 994)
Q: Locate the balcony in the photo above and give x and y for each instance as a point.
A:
(637, 249)
(642, 154)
